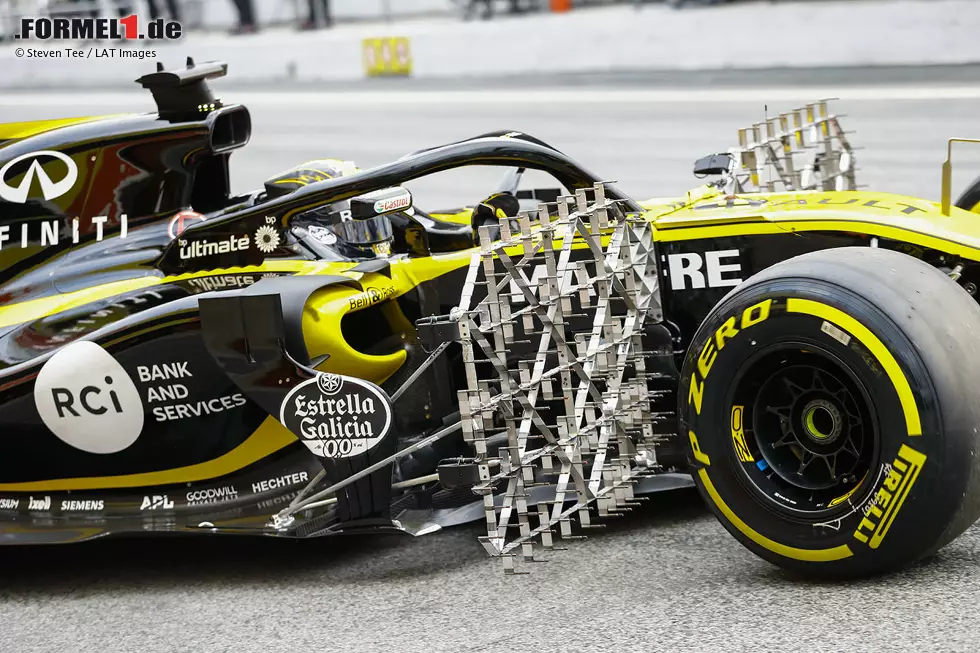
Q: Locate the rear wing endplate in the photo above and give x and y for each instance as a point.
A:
(947, 190)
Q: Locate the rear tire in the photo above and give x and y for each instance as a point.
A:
(830, 404)
(970, 199)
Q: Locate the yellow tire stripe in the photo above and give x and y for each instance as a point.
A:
(874, 345)
(915, 460)
(738, 436)
(270, 437)
(806, 555)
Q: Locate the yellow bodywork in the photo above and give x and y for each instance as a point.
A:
(18, 130)
(697, 215)
(321, 326)
(321, 319)
(703, 214)
(327, 307)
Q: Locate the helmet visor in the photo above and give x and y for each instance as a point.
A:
(364, 232)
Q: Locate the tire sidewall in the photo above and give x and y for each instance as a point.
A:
(883, 528)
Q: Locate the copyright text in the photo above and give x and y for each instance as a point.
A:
(90, 53)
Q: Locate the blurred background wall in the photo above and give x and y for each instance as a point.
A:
(221, 14)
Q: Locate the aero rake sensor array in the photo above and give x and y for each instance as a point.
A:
(560, 368)
(804, 149)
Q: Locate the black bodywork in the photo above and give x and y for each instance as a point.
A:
(229, 327)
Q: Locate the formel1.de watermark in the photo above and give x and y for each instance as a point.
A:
(127, 28)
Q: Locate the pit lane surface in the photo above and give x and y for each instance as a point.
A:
(668, 577)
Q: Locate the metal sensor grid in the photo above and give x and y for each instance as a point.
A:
(554, 359)
(805, 149)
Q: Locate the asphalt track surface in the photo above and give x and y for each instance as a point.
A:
(665, 578)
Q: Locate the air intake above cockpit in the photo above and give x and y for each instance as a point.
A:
(183, 93)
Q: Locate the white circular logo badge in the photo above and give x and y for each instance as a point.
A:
(86, 398)
(330, 384)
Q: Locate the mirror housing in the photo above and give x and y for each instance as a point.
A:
(714, 164)
(387, 200)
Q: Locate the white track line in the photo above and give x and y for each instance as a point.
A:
(575, 95)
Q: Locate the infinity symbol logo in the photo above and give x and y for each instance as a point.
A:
(49, 189)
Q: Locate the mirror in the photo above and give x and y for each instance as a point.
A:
(388, 200)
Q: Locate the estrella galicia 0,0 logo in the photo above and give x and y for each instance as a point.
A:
(337, 416)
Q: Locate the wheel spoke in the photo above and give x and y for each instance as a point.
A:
(831, 465)
(805, 461)
(794, 389)
(818, 383)
(783, 412)
(787, 439)
(801, 413)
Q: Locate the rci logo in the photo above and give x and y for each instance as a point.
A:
(86, 398)
(50, 189)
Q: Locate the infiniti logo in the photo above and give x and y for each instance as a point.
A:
(50, 189)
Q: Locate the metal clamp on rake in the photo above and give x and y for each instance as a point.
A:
(554, 359)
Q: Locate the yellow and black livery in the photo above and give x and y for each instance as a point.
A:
(819, 392)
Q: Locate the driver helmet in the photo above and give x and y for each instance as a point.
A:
(335, 223)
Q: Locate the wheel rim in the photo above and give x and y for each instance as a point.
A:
(810, 428)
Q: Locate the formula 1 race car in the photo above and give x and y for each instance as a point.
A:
(321, 356)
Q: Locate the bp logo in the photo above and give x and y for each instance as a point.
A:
(337, 416)
(266, 239)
